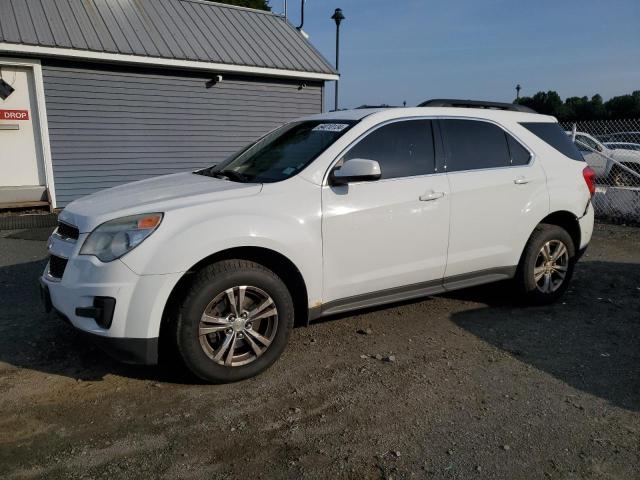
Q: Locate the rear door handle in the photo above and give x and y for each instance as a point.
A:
(429, 196)
(521, 180)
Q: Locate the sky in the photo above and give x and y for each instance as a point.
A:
(413, 50)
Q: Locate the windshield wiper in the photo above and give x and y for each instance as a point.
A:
(231, 175)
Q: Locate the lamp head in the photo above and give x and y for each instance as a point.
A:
(337, 16)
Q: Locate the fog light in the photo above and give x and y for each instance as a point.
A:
(101, 312)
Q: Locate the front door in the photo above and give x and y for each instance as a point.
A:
(20, 151)
(390, 232)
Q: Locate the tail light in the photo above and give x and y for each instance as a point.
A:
(590, 179)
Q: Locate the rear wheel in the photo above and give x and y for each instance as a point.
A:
(234, 322)
(547, 264)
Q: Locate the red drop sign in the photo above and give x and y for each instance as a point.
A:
(14, 114)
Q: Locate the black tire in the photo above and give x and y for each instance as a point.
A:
(207, 284)
(525, 276)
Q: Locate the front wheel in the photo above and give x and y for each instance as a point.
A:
(235, 321)
(547, 265)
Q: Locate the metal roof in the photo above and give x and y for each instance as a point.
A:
(172, 30)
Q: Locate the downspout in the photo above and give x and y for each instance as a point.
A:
(301, 15)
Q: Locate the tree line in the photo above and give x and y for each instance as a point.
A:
(584, 108)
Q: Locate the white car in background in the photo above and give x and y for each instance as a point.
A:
(623, 146)
(633, 137)
(606, 161)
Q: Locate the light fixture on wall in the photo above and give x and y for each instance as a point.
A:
(213, 81)
(5, 88)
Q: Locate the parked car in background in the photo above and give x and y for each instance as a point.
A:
(607, 162)
(622, 146)
(324, 215)
(632, 137)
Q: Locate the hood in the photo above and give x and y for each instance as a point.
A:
(158, 194)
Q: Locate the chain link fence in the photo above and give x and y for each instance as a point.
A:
(612, 149)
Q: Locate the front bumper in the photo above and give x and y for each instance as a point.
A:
(132, 335)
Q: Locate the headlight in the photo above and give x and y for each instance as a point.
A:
(114, 238)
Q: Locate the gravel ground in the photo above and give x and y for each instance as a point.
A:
(470, 385)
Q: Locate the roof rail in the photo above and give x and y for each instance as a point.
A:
(514, 107)
(384, 105)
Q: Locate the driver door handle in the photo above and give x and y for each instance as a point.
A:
(429, 196)
(521, 180)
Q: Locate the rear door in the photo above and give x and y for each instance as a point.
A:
(498, 195)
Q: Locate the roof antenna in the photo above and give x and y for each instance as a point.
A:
(301, 15)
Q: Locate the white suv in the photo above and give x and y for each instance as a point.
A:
(326, 214)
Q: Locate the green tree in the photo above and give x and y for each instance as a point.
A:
(624, 106)
(548, 103)
(583, 108)
(259, 4)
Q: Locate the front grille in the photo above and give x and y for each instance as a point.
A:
(57, 266)
(68, 231)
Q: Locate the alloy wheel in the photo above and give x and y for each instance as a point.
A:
(552, 265)
(238, 326)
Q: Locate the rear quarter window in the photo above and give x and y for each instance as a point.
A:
(552, 134)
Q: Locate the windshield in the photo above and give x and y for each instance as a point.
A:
(282, 153)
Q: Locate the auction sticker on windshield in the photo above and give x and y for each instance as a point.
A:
(330, 127)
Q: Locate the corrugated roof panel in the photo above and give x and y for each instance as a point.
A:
(266, 46)
(181, 19)
(56, 24)
(121, 18)
(154, 21)
(39, 21)
(113, 29)
(166, 29)
(286, 47)
(97, 25)
(238, 51)
(8, 23)
(85, 26)
(147, 32)
(210, 41)
(75, 33)
(211, 31)
(269, 42)
(23, 19)
(173, 30)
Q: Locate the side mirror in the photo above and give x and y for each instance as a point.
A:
(355, 170)
(599, 147)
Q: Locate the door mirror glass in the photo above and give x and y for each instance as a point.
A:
(355, 170)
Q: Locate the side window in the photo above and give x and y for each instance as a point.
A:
(581, 141)
(519, 154)
(552, 134)
(472, 145)
(403, 149)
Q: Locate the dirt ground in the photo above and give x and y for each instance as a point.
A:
(480, 388)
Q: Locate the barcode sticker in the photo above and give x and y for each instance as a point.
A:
(330, 127)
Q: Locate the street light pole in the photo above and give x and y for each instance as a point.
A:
(337, 17)
(518, 87)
